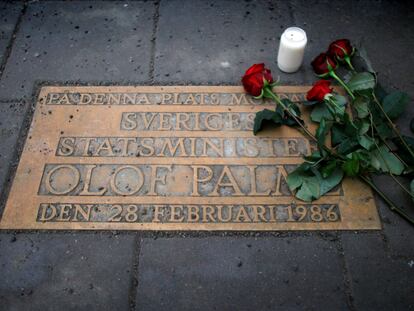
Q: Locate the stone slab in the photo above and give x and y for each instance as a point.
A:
(65, 271)
(215, 42)
(87, 41)
(11, 120)
(168, 158)
(379, 279)
(9, 15)
(236, 273)
(398, 231)
(382, 28)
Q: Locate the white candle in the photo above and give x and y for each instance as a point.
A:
(291, 49)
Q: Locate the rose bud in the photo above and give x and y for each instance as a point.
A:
(340, 49)
(323, 64)
(319, 90)
(255, 78)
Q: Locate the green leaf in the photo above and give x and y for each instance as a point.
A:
(350, 128)
(362, 81)
(262, 117)
(347, 77)
(311, 185)
(309, 190)
(385, 161)
(348, 146)
(295, 178)
(383, 129)
(366, 142)
(345, 136)
(341, 100)
(314, 157)
(338, 135)
(309, 103)
(292, 107)
(351, 166)
(395, 103)
(412, 125)
(328, 169)
(364, 55)
(338, 104)
(403, 153)
(362, 125)
(321, 132)
(285, 117)
(328, 183)
(361, 106)
(380, 92)
(364, 158)
(319, 112)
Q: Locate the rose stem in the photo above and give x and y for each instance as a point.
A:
(388, 146)
(388, 167)
(277, 99)
(348, 61)
(333, 75)
(394, 128)
(391, 204)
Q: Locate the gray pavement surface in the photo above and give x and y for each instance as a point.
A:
(195, 42)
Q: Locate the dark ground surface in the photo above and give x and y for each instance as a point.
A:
(195, 42)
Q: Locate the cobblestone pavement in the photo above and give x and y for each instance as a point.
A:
(195, 42)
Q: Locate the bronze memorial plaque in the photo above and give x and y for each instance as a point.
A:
(168, 158)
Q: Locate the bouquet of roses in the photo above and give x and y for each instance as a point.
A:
(363, 142)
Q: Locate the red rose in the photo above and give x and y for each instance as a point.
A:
(341, 48)
(253, 79)
(319, 90)
(320, 64)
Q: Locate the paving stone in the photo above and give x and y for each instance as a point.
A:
(212, 42)
(378, 281)
(397, 231)
(53, 271)
(11, 119)
(63, 271)
(381, 26)
(386, 34)
(9, 14)
(220, 273)
(86, 41)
